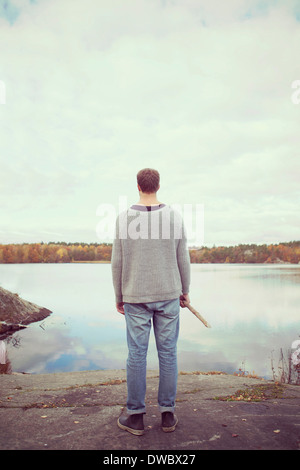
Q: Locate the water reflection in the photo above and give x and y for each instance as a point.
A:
(56, 345)
(253, 310)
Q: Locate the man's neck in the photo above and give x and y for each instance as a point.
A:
(148, 199)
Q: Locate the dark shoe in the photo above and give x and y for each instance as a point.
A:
(133, 424)
(168, 421)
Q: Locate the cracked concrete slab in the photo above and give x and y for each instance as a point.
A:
(79, 411)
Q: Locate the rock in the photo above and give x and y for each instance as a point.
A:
(16, 313)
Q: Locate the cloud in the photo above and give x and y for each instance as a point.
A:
(97, 90)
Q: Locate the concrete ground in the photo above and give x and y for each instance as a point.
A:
(79, 411)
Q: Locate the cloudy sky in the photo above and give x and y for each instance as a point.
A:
(94, 90)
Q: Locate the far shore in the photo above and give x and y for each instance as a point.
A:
(278, 263)
(83, 261)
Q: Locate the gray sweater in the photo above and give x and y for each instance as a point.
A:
(150, 259)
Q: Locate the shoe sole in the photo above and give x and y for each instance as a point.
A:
(171, 428)
(136, 432)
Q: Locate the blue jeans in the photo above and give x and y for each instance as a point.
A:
(165, 318)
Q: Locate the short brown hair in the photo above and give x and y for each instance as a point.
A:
(148, 180)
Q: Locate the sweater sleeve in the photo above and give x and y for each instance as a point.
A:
(116, 265)
(183, 260)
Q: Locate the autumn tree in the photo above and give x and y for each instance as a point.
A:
(8, 255)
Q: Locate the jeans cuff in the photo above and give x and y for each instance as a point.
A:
(164, 409)
(136, 412)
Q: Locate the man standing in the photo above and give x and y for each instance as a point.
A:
(151, 276)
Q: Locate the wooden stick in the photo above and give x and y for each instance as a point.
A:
(197, 314)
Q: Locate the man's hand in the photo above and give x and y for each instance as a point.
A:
(120, 307)
(184, 298)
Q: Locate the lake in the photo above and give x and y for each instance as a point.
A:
(253, 311)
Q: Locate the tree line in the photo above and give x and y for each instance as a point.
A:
(279, 253)
(61, 252)
(54, 252)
